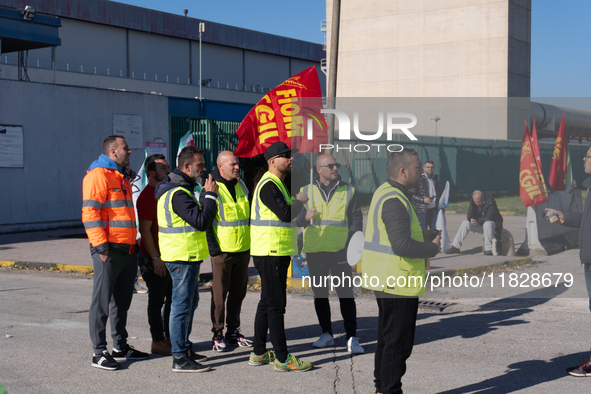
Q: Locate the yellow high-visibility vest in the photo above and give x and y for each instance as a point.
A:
(269, 235)
(177, 239)
(396, 274)
(330, 228)
(231, 222)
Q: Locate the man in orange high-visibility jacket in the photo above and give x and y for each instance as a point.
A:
(109, 220)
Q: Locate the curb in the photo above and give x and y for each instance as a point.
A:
(503, 213)
(47, 266)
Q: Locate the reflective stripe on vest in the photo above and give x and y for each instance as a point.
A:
(330, 233)
(231, 223)
(397, 275)
(178, 241)
(268, 234)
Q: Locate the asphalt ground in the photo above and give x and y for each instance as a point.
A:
(483, 345)
(487, 339)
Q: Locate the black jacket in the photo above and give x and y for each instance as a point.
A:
(185, 206)
(354, 215)
(418, 196)
(582, 220)
(489, 212)
(212, 242)
(397, 221)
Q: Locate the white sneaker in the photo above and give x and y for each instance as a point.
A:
(354, 347)
(325, 340)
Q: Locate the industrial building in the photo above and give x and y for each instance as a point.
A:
(75, 71)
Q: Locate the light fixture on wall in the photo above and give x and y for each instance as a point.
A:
(205, 81)
(28, 13)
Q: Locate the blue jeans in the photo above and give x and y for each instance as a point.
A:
(185, 297)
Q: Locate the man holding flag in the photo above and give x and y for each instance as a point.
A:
(273, 237)
(272, 127)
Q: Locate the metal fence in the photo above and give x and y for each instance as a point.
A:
(213, 136)
(468, 164)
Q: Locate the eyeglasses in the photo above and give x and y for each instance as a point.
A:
(586, 157)
(331, 166)
(285, 155)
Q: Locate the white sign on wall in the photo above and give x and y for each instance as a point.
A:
(11, 146)
(130, 127)
(156, 147)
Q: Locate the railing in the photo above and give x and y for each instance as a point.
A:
(33, 63)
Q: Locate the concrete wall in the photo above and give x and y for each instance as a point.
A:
(63, 132)
(457, 48)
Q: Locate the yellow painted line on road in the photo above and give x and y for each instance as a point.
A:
(71, 267)
(6, 263)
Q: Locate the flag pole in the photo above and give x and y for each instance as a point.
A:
(311, 196)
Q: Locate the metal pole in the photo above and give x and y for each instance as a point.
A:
(332, 69)
(200, 84)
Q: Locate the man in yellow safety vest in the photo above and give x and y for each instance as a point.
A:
(336, 216)
(273, 237)
(182, 221)
(228, 240)
(393, 261)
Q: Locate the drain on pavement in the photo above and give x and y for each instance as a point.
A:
(434, 306)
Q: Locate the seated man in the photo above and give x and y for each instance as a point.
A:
(483, 217)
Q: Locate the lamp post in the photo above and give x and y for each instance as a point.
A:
(436, 119)
(201, 30)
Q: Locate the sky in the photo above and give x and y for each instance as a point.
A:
(560, 39)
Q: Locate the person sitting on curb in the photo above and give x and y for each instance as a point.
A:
(483, 217)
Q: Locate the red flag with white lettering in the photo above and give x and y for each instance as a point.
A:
(290, 113)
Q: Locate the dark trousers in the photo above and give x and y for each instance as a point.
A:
(230, 278)
(428, 219)
(159, 296)
(271, 309)
(112, 291)
(397, 320)
(320, 264)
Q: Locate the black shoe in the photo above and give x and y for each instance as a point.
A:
(236, 338)
(128, 353)
(198, 358)
(452, 250)
(105, 361)
(488, 253)
(185, 364)
(581, 371)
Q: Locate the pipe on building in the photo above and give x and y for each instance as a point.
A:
(577, 122)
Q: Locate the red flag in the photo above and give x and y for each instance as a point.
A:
(283, 114)
(531, 189)
(557, 177)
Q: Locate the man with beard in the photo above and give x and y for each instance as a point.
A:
(336, 216)
(182, 221)
(273, 242)
(109, 220)
(395, 252)
(153, 269)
